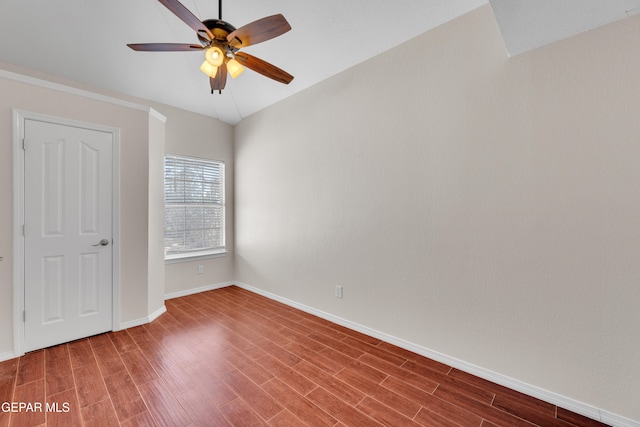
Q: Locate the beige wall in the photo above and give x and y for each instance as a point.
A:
(142, 146)
(483, 207)
(195, 135)
(134, 147)
(6, 229)
(156, 280)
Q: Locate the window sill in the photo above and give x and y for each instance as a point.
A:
(188, 258)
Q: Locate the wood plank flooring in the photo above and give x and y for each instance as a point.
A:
(229, 357)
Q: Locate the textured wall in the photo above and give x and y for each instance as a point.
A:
(134, 178)
(142, 147)
(194, 135)
(482, 207)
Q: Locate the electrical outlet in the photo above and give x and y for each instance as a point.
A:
(338, 291)
(200, 269)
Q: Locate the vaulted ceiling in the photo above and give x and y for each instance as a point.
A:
(85, 40)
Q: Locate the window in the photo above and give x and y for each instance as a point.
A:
(194, 207)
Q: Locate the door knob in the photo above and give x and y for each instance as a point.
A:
(103, 242)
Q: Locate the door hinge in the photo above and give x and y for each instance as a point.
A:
(23, 229)
(24, 144)
(24, 316)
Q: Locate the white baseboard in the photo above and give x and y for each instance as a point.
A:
(197, 290)
(143, 321)
(7, 355)
(159, 312)
(153, 316)
(528, 389)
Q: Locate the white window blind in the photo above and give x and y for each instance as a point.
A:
(194, 207)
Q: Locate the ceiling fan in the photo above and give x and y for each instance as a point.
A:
(222, 42)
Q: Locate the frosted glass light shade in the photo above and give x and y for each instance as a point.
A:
(234, 68)
(214, 56)
(208, 69)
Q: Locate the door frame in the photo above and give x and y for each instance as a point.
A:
(19, 118)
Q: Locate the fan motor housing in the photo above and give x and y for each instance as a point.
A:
(219, 28)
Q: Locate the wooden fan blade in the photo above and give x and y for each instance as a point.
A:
(186, 16)
(258, 31)
(264, 68)
(220, 81)
(164, 47)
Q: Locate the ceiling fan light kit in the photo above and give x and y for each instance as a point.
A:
(208, 69)
(234, 68)
(221, 42)
(213, 55)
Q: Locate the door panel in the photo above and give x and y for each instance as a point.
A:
(68, 212)
(53, 190)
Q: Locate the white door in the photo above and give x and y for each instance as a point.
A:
(68, 233)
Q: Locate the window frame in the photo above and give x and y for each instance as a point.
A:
(197, 253)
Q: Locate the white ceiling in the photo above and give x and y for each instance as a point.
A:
(85, 40)
(529, 24)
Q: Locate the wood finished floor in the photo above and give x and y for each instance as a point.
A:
(229, 357)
